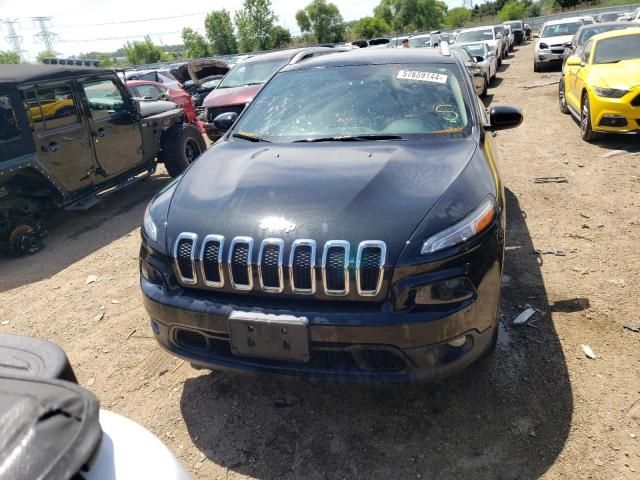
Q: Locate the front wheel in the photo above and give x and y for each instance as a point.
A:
(537, 67)
(181, 145)
(586, 130)
(562, 98)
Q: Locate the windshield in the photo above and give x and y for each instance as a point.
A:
(475, 36)
(252, 73)
(417, 42)
(516, 25)
(560, 29)
(389, 100)
(586, 34)
(475, 49)
(613, 50)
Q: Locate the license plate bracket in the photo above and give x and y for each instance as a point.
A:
(275, 337)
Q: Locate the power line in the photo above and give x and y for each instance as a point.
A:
(154, 19)
(13, 38)
(46, 36)
(141, 35)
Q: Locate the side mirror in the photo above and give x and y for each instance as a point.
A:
(478, 58)
(567, 44)
(574, 61)
(503, 117)
(225, 121)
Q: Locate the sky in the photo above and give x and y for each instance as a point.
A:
(96, 25)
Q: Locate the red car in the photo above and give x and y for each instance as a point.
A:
(157, 91)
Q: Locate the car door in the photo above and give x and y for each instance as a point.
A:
(575, 80)
(61, 134)
(117, 141)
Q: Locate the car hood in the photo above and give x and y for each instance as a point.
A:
(625, 74)
(199, 70)
(554, 40)
(221, 97)
(378, 191)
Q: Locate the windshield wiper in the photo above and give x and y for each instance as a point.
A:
(251, 138)
(351, 138)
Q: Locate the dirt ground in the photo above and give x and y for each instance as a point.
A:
(538, 408)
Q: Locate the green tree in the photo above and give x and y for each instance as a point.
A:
(513, 10)
(142, 52)
(457, 17)
(406, 15)
(195, 46)
(44, 55)
(280, 37)
(370, 27)
(105, 60)
(9, 57)
(219, 30)
(255, 22)
(323, 20)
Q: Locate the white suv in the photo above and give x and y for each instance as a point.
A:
(489, 35)
(550, 44)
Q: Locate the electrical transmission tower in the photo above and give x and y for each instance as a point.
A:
(467, 4)
(45, 35)
(13, 38)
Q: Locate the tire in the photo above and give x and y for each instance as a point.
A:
(536, 67)
(562, 98)
(500, 60)
(181, 145)
(586, 129)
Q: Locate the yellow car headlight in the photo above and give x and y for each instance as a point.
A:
(611, 92)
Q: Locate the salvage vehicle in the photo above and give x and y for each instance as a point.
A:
(53, 428)
(352, 237)
(246, 79)
(478, 78)
(549, 48)
(201, 76)
(584, 33)
(517, 27)
(601, 86)
(99, 141)
(485, 58)
(160, 76)
(483, 34)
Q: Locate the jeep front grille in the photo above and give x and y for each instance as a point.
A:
(240, 271)
(184, 255)
(216, 260)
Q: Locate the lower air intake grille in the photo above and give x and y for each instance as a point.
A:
(636, 101)
(184, 257)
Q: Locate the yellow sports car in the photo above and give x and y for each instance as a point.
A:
(601, 84)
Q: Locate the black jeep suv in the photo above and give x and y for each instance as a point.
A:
(70, 135)
(348, 226)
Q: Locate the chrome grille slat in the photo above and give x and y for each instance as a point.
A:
(270, 265)
(184, 255)
(239, 260)
(211, 261)
(335, 268)
(302, 263)
(370, 267)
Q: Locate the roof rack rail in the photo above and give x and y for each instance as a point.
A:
(444, 48)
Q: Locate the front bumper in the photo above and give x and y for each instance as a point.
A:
(615, 115)
(376, 342)
(547, 56)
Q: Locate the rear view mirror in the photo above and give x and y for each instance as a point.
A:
(503, 117)
(225, 121)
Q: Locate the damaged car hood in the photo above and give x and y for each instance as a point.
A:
(377, 191)
(199, 70)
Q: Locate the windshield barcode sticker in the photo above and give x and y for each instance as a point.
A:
(422, 76)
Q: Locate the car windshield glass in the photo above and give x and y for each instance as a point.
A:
(586, 34)
(475, 36)
(617, 49)
(475, 49)
(251, 73)
(411, 101)
(422, 41)
(560, 29)
(516, 25)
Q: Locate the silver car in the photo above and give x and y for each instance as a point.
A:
(485, 58)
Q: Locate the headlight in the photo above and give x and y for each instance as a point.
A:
(149, 227)
(471, 225)
(543, 46)
(611, 92)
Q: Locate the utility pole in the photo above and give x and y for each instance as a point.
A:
(13, 38)
(46, 36)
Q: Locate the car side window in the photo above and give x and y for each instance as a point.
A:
(586, 52)
(9, 129)
(51, 108)
(104, 98)
(150, 91)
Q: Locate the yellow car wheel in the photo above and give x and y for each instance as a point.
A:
(562, 99)
(586, 130)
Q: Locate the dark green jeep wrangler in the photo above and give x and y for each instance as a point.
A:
(71, 135)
